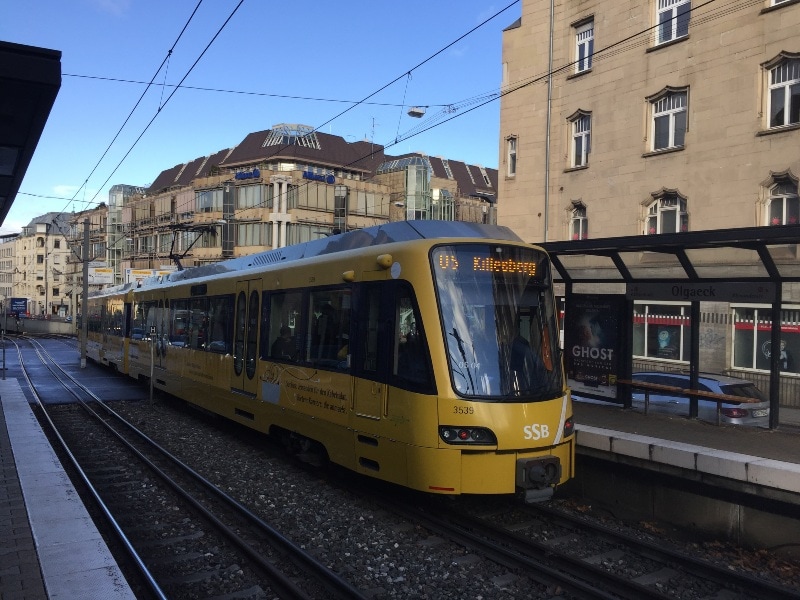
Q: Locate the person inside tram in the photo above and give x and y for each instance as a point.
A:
(526, 365)
(283, 347)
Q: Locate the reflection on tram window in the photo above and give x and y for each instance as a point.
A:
(220, 324)
(329, 328)
(283, 339)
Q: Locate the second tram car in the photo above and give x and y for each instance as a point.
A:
(423, 353)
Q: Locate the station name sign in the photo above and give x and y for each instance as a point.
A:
(761, 292)
(316, 177)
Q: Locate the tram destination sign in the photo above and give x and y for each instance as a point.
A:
(761, 292)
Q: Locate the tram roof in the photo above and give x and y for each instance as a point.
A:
(759, 254)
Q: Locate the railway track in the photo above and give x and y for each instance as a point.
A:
(582, 557)
(186, 537)
(441, 547)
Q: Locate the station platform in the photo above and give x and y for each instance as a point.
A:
(49, 545)
(50, 548)
(766, 459)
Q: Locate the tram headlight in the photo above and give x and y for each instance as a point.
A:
(569, 427)
(467, 435)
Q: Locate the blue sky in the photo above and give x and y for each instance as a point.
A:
(308, 61)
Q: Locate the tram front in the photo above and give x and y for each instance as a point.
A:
(501, 334)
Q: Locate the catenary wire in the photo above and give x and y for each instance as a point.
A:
(638, 39)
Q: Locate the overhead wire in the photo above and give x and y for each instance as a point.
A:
(136, 105)
(450, 112)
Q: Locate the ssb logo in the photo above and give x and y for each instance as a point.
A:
(536, 431)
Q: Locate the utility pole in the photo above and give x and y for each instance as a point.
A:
(46, 231)
(85, 301)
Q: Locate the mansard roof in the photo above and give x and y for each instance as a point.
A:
(327, 149)
(302, 144)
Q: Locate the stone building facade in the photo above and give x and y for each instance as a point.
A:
(658, 117)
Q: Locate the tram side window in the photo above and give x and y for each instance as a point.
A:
(139, 321)
(198, 323)
(150, 319)
(220, 324)
(154, 319)
(104, 318)
(411, 350)
(116, 320)
(329, 328)
(283, 340)
(179, 322)
(94, 322)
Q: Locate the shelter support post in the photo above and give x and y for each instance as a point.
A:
(775, 359)
(694, 359)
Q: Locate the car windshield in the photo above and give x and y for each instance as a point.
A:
(497, 310)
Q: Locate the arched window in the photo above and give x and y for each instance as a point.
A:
(667, 214)
(784, 204)
(581, 139)
(579, 222)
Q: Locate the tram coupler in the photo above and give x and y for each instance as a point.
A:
(536, 478)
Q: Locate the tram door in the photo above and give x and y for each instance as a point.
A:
(368, 389)
(161, 336)
(245, 337)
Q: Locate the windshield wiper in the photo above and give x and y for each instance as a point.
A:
(460, 343)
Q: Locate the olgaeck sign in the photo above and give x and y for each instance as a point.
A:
(762, 292)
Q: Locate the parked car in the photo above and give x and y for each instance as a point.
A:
(68, 319)
(735, 414)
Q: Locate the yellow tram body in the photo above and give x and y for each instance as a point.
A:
(452, 419)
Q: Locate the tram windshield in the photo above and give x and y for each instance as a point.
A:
(498, 316)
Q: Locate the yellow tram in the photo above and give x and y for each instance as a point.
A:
(423, 353)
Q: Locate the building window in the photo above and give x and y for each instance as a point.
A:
(249, 196)
(661, 331)
(667, 215)
(784, 205)
(208, 200)
(673, 19)
(578, 222)
(511, 156)
(447, 170)
(669, 120)
(784, 93)
(251, 234)
(581, 139)
(584, 46)
(752, 341)
(485, 176)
